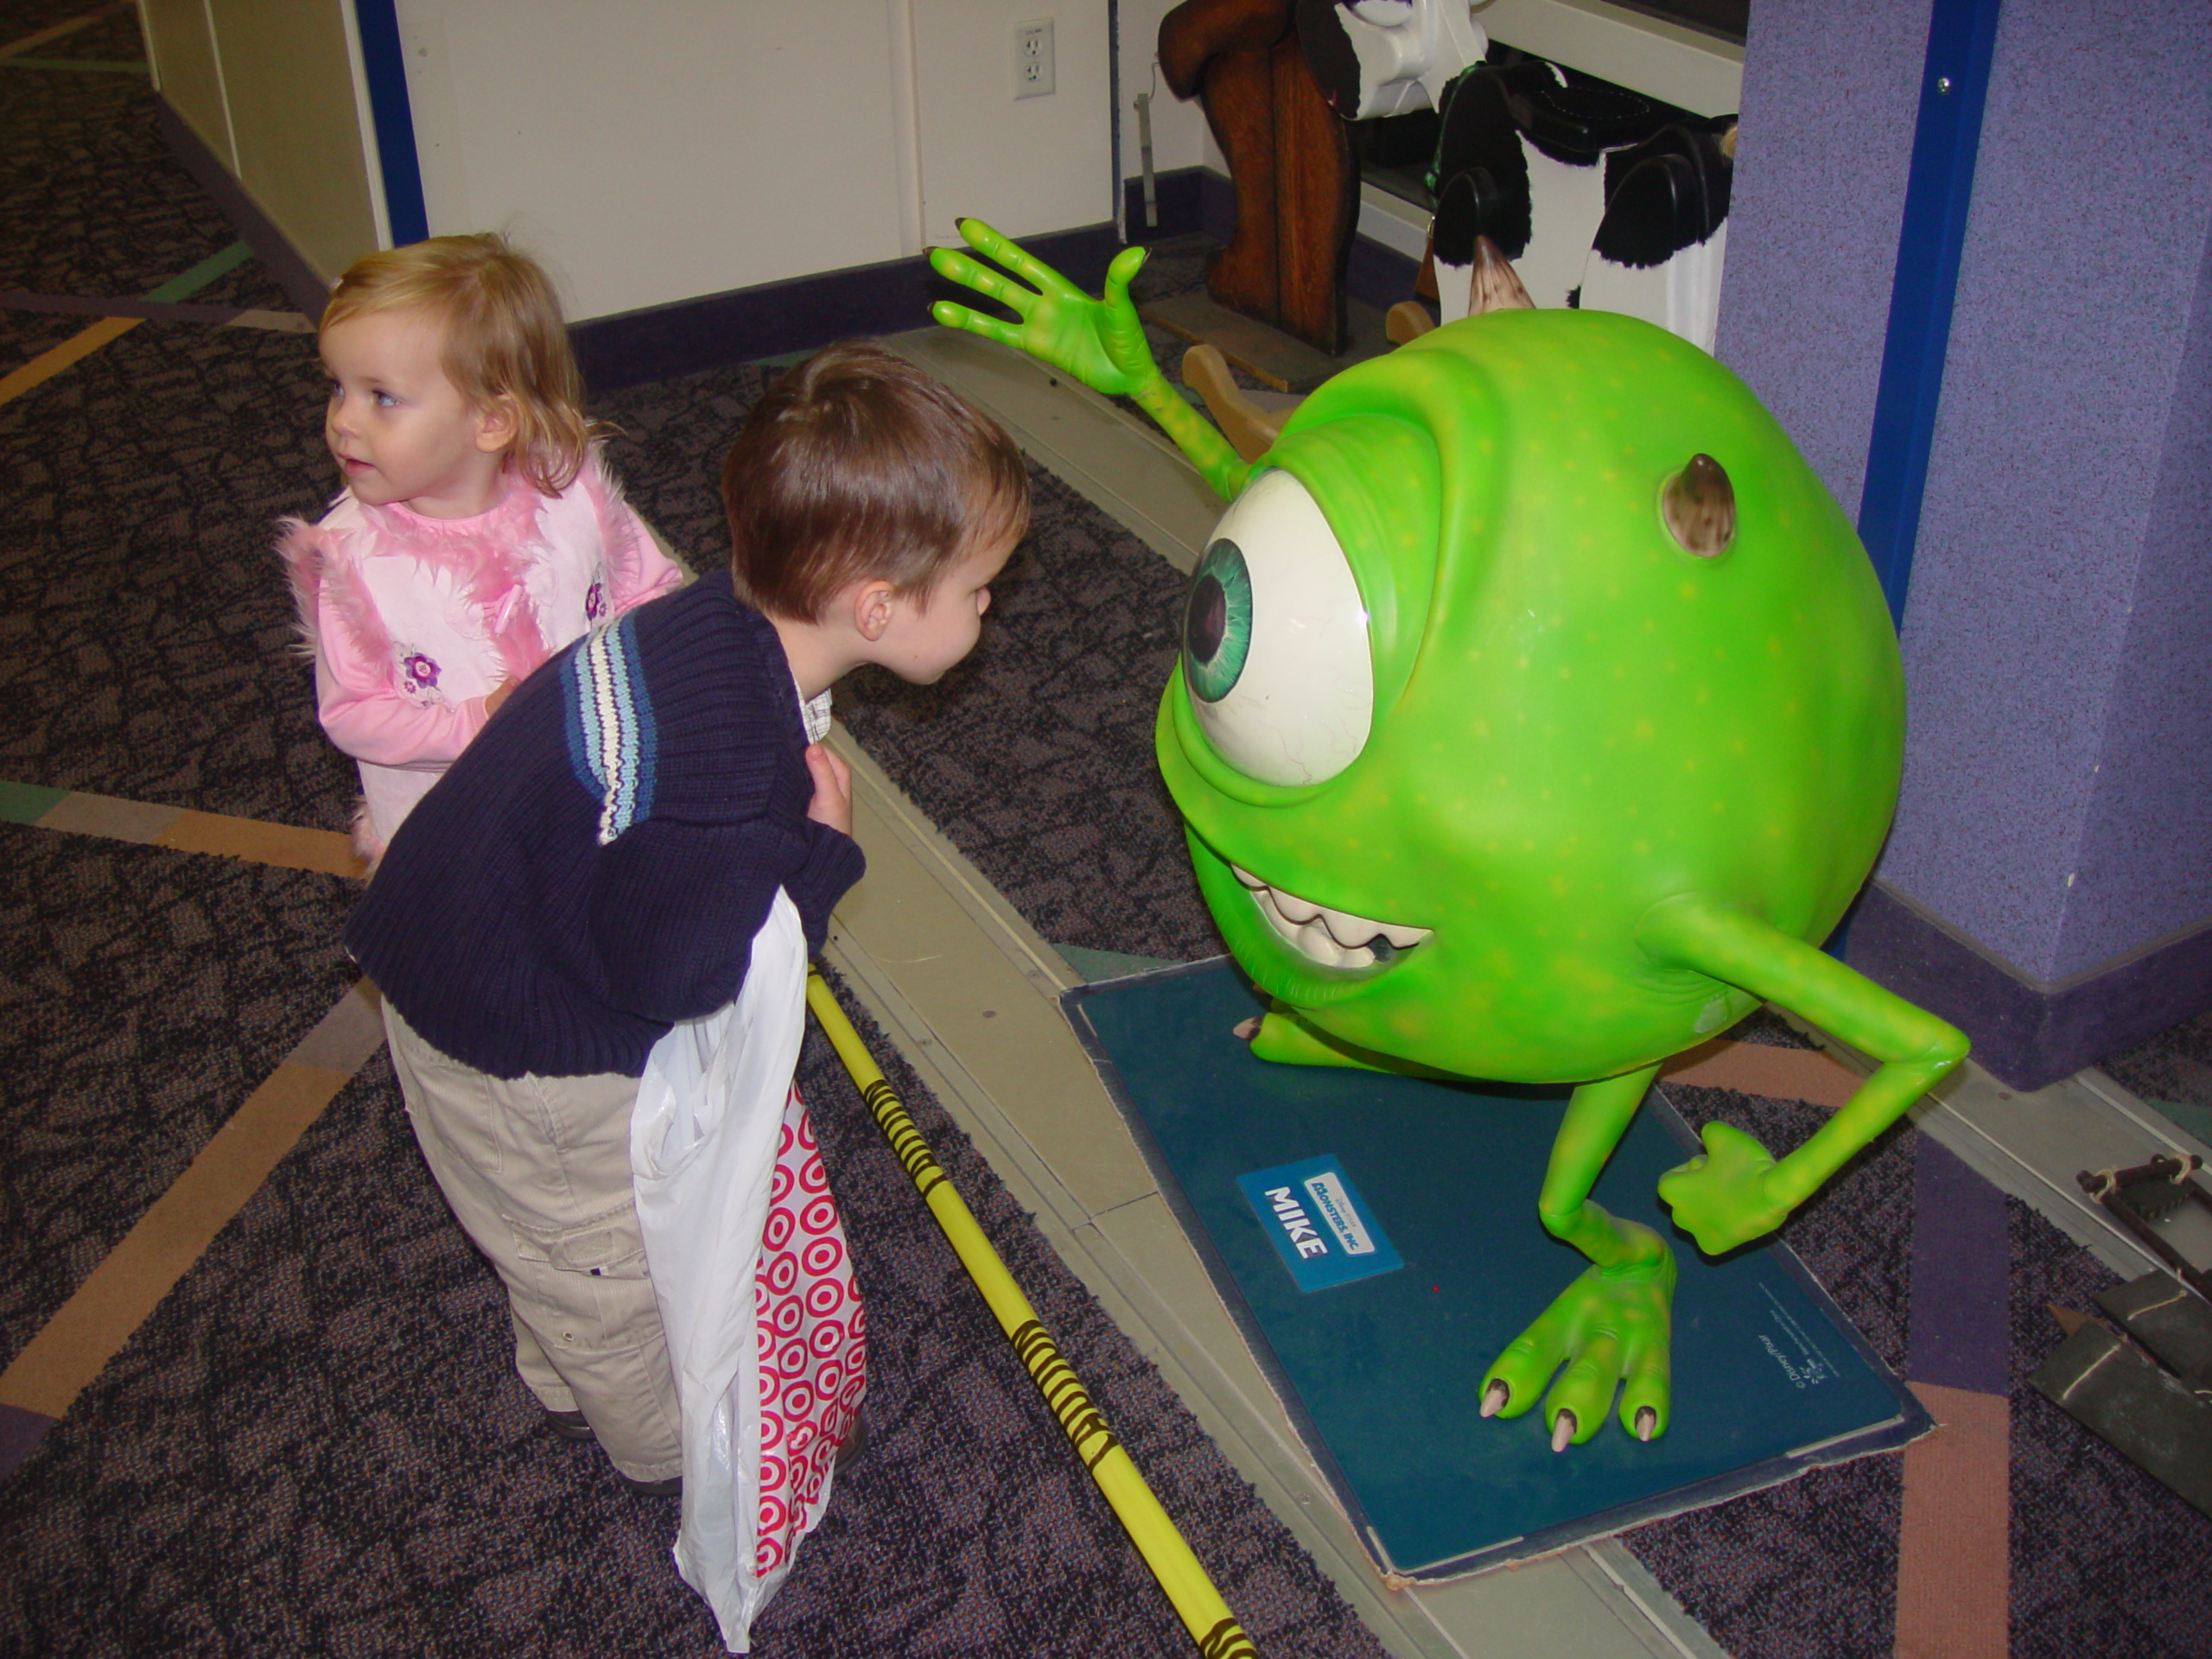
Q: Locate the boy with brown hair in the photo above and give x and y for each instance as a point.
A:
(594, 867)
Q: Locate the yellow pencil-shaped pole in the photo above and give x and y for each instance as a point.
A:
(1196, 1601)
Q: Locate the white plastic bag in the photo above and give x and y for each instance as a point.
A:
(703, 1147)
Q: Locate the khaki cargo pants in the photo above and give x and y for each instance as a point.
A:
(538, 1172)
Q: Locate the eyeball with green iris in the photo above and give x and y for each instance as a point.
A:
(1217, 621)
(1275, 656)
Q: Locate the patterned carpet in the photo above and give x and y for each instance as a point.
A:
(146, 994)
(318, 1445)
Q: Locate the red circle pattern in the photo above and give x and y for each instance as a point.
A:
(812, 1336)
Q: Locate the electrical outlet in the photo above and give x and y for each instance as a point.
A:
(1033, 58)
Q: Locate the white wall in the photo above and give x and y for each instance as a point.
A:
(1179, 138)
(269, 86)
(1022, 165)
(659, 150)
(180, 45)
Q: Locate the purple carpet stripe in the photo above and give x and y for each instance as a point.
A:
(159, 311)
(1959, 1264)
(19, 1433)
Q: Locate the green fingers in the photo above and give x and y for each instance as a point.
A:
(1607, 1331)
(1725, 1196)
(1099, 342)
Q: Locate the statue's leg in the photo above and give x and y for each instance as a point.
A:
(1610, 1328)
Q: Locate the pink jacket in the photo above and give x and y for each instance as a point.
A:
(413, 621)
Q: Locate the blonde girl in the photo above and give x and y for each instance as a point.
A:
(478, 530)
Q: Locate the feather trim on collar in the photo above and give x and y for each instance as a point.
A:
(618, 532)
(484, 556)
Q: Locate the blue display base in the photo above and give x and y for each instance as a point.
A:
(1380, 1369)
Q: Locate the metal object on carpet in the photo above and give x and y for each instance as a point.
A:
(1196, 1601)
(2162, 1204)
(2175, 1325)
(2153, 1420)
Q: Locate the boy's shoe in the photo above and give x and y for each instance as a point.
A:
(569, 1425)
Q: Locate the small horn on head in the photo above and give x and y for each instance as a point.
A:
(1495, 285)
(1700, 506)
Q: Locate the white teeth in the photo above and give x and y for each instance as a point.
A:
(1335, 938)
(1348, 930)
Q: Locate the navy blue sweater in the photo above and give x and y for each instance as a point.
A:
(594, 866)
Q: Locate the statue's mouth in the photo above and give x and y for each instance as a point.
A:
(1333, 938)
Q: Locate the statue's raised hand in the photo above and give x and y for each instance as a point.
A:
(1099, 342)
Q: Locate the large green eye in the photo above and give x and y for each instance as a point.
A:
(1275, 657)
(1217, 622)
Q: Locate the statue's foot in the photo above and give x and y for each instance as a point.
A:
(1287, 1038)
(1608, 1330)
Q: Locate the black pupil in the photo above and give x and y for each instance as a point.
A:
(1206, 619)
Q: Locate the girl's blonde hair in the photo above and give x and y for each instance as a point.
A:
(503, 338)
